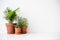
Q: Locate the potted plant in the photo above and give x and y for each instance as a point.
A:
(18, 26)
(10, 16)
(24, 25)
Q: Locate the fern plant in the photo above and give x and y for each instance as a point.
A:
(24, 22)
(10, 15)
(19, 22)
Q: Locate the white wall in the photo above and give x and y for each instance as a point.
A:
(43, 15)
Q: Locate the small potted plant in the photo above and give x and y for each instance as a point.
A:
(18, 26)
(24, 26)
(10, 16)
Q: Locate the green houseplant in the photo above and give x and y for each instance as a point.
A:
(24, 25)
(18, 25)
(10, 16)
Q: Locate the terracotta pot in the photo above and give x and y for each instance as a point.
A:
(24, 29)
(17, 30)
(10, 28)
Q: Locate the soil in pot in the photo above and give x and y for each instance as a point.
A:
(17, 30)
(10, 28)
(24, 29)
(14, 23)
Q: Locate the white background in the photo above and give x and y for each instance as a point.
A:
(43, 15)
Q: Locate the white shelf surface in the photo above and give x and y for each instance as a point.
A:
(32, 36)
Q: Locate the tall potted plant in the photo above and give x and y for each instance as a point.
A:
(18, 26)
(10, 16)
(24, 25)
